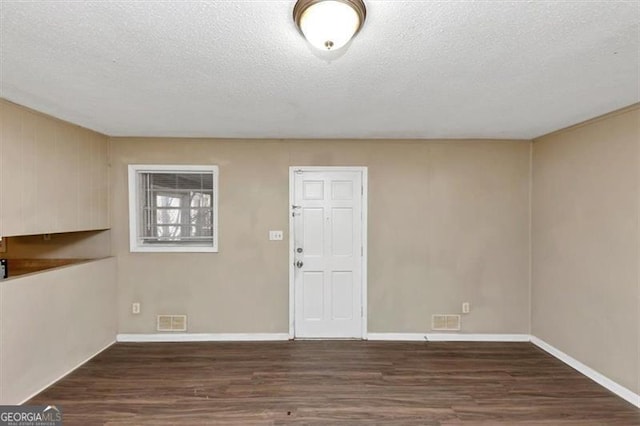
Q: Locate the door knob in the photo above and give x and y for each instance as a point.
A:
(299, 264)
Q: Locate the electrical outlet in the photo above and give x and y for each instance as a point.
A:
(135, 308)
(466, 308)
(275, 235)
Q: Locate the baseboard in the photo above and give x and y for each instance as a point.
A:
(258, 337)
(602, 380)
(202, 337)
(68, 372)
(448, 337)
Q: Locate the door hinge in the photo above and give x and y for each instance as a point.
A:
(361, 311)
(361, 251)
(362, 190)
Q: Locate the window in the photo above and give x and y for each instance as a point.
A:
(173, 208)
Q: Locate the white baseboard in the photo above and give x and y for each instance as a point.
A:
(448, 337)
(68, 372)
(202, 337)
(602, 380)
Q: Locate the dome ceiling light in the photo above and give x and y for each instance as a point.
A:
(329, 24)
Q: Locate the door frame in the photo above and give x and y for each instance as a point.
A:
(292, 171)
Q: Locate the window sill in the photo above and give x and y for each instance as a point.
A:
(138, 249)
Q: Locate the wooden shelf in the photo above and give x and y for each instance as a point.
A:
(19, 267)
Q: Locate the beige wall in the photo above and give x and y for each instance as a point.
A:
(585, 287)
(51, 322)
(448, 222)
(53, 179)
(70, 245)
(53, 174)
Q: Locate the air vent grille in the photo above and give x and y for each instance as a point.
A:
(445, 322)
(172, 323)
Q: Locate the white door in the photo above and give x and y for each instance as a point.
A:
(327, 215)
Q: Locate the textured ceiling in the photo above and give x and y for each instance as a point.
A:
(418, 69)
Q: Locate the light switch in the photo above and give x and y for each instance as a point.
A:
(275, 235)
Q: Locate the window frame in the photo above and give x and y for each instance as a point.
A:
(134, 244)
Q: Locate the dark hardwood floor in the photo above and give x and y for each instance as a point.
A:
(329, 382)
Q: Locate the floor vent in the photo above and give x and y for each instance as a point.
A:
(172, 323)
(445, 322)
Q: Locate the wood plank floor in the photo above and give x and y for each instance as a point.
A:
(329, 382)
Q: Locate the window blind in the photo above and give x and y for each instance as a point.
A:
(176, 208)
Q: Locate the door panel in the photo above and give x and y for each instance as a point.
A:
(313, 190)
(342, 232)
(342, 295)
(327, 224)
(313, 295)
(313, 231)
(342, 190)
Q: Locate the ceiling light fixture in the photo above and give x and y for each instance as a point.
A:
(329, 24)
